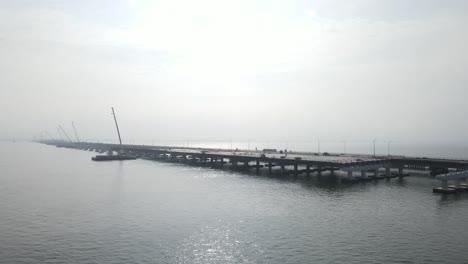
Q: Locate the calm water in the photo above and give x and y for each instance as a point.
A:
(57, 206)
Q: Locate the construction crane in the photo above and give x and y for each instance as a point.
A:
(110, 155)
(76, 133)
(117, 126)
(49, 135)
(60, 134)
(65, 133)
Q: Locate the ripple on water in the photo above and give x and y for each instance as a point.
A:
(219, 243)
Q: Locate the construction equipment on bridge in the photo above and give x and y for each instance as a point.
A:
(119, 155)
(76, 133)
(65, 133)
(117, 126)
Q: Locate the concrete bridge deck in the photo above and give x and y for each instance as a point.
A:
(335, 160)
(302, 162)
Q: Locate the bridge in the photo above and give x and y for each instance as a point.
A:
(354, 167)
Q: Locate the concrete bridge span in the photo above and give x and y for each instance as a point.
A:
(352, 165)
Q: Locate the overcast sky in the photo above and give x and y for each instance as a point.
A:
(244, 69)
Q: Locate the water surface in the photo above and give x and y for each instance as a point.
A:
(57, 206)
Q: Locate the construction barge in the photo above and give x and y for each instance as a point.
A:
(112, 157)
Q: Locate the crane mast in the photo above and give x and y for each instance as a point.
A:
(49, 135)
(60, 134)
(117, 126)
(76, 133)
(65, 133)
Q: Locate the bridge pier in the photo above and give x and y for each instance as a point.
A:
(457, 182)
(350, 175)
(295, 170)
(269, 167)
(457, 177)
(257, 166)
(459, 186)
(387, 172)
(444, 188)
(400, 171)
(308, 170)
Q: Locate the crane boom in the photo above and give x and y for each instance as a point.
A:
(76, 133)
(117, 126)
(60, 134)
(65, 133)
(49, 135)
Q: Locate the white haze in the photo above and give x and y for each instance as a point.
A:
(222, 70)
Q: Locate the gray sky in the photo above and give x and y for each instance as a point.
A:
(216, 70)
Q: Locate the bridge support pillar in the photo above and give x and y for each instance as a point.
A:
(363, 174)
(257, 166)
(269, 167)
(295, 170)
(319, 171)
(444, 184)
(222, 162)
(400, 171)
(376, 173)
(387, 172)
(350, 175)
(308, 170)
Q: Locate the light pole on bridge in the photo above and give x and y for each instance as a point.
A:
(374, 145)
(388, 147)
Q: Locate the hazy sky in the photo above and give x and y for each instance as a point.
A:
(216, 70)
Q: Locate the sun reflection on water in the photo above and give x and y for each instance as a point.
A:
(219, 243)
